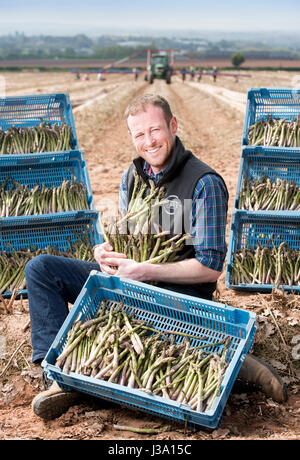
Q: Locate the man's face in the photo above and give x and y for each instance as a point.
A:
(152, 137)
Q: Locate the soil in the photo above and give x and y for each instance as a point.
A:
(210, 124)
(29, 64)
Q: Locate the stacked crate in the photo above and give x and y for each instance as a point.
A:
(272, 227)
(55, 225)
(208, 322)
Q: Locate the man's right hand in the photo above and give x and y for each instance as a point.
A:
(104, 251)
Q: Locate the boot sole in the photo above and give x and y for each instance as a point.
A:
(52, 406)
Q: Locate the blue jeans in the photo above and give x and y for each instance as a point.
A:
(52, 283)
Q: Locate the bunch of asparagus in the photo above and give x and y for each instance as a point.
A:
(275, 132)
(120, 348)
(263, 194)
(137, 233)
(21, 201)
(40, 138)
(265, 265)
(13, 261)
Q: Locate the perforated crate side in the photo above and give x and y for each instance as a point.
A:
(48, 230)
(249, 228)
(31, 110)
(152, 304)
(278, 102)
(46, 168)
(55, 230)
(275, 163)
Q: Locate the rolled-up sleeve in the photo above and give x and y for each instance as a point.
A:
(209, 216)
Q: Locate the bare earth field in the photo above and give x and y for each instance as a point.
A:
(179, 63)
(210, 124)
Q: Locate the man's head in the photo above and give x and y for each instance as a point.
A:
(153, 128)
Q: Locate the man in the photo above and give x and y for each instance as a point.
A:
(135, 72)
(163, 158)
(53, 282)
(215, 72)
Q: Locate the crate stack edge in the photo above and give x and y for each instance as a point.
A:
(50, 168)
(274, 162)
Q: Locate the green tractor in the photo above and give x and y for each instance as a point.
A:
(159, 68)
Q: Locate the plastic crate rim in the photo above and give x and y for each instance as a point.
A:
(114, 285)
(35, 96)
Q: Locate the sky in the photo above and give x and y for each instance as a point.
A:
(95, 17)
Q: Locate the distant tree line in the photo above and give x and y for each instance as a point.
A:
(80, 46)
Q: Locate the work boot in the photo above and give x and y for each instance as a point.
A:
(52, 403)
(263, 377)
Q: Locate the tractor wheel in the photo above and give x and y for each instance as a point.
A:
(168, 78)
(151, 79)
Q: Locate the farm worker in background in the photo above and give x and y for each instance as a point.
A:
(183, 72)
(99, 76)
(199, 75)
(192, 71)
(215, 71)
(136, 75)
(53, 281)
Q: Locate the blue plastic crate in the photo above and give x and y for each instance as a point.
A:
(46, 168)
(269, 161)
(166, 310)
(249, 228)
(48, 230)
(31, 110)
(278, 102)
(55, 230)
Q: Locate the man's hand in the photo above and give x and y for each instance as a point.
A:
(115, 263)
(188, 271)
(128, 268)
(107, 258)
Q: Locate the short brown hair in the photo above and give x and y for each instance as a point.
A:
(140, 103)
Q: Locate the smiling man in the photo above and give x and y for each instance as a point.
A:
(153, 133)
(53, 282)
(163, 158)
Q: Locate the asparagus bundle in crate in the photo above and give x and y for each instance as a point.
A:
(263, 194)
(19, 200)
(13, 261)
(275, 132)
(40, 138)
(120, 348)
(137, 233)
(267, 265)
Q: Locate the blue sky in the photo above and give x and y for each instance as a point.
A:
(94, 17)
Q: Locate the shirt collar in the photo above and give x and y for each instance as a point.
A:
(155, 177)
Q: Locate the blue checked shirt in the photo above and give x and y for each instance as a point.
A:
(208, 225)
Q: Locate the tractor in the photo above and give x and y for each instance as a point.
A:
(159, 67)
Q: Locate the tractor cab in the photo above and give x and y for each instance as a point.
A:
(159, 68)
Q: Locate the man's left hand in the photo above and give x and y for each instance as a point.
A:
(128, 268)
